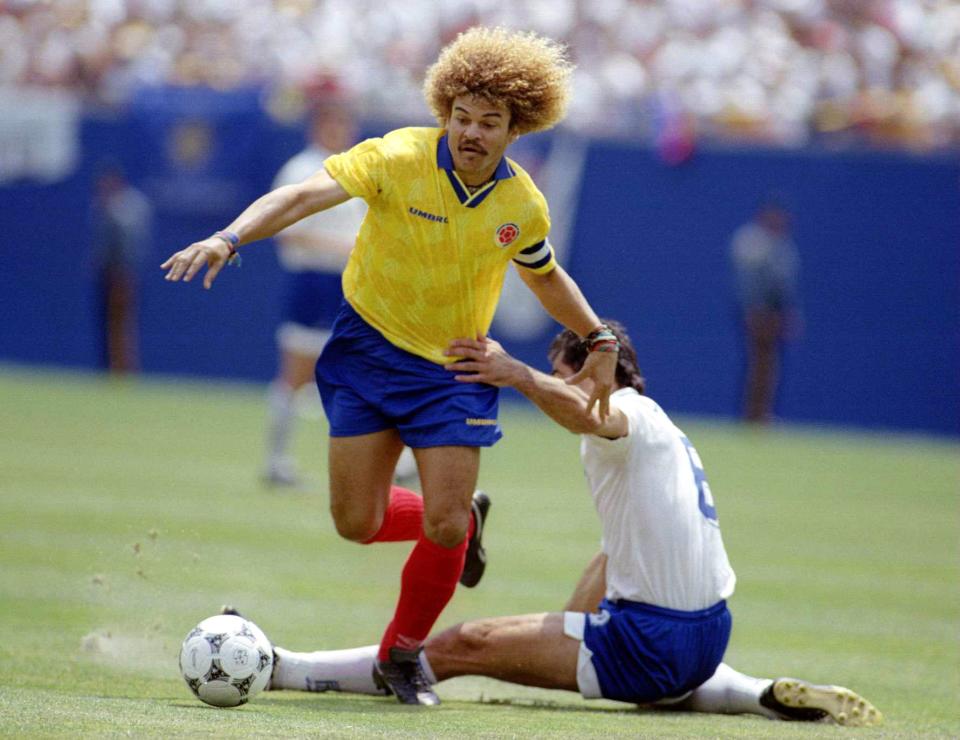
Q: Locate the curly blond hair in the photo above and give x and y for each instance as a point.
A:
(528, 73)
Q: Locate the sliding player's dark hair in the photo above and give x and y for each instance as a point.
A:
(572, 351)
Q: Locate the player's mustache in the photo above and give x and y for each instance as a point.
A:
(472, 145)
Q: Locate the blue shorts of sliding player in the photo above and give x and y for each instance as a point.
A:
(643, 653)
(368, 385)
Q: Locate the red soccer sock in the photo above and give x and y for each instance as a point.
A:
(403, 519)
(426, 585)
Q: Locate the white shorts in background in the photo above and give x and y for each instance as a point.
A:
(300, 339)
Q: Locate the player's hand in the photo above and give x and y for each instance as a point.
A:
(183, 265)
(484, 360)
(601, 368)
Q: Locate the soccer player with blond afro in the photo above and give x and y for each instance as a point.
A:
(447, 213)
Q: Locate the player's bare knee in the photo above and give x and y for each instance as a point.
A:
(356, 531)
(473, 638)
(456, 645)
(353, 525)
(446, 532)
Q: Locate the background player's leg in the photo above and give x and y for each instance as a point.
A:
(296, 371)
(406, 473)
(531, 649)
(361, 472)
(765, 331)
(121, 322)
(431, 573)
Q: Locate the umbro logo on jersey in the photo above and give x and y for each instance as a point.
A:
(428, 216)
(507, 234)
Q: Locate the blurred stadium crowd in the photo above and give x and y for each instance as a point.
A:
(788, 72)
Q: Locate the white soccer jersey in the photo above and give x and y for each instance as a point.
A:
(340, 222)
(660, 530)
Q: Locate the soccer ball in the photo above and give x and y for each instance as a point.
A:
(226, 660)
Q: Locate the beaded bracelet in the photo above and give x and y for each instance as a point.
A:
(232, 241)
(605, 345)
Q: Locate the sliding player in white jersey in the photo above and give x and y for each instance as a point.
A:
(661, 579)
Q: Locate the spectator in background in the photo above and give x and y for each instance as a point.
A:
(313, 253)
(784, 72)
(766, 264)
(121, 232)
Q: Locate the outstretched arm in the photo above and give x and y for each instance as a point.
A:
(591, 587)
(264, 217)
(562, 299)
(486, 361)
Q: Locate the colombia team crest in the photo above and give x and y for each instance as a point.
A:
(507, 234)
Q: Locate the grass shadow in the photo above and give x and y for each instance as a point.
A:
(354, 703)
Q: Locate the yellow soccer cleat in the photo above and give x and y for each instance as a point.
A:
(800, 700)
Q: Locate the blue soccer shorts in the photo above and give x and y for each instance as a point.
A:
(641, 653)
(368, 385)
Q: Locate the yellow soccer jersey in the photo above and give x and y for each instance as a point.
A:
(430, 258)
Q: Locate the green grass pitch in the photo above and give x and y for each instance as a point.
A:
(129, 511)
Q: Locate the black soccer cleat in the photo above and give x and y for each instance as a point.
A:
(799, 700)
(403, 676)
(379, 681)
(475, 562)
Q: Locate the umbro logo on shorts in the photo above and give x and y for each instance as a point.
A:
(598, 620)
(320, 686)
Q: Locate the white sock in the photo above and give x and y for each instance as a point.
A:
(333, 670)
(729, 692)
(327, 670)
(281, 413)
